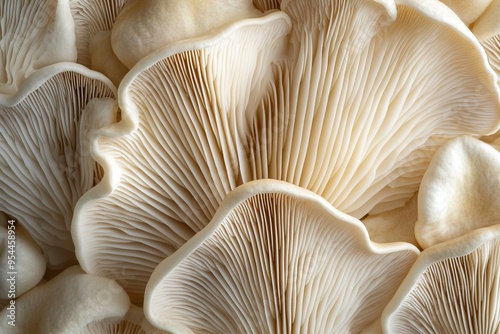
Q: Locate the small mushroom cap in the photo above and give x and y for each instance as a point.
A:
(145, 26)
(453, 287)
(276, 258)
(460, 191)
(34, 34)
(26, 258)
(44, 153)
(67, 303)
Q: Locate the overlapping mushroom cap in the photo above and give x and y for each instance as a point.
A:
(453, 287)
(66, 304)
(45, 133)
(459, 192)
(352, 107)
(33, 34)
(276, 259)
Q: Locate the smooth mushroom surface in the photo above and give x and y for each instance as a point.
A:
(33, 34)
(329, 112)
(276, 259)
(45, 153)
(453, 287)
(394, 225)
(66, 304)
(20, 257)
(145, 26)
(460, 191)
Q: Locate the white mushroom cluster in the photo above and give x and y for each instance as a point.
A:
(266, 166)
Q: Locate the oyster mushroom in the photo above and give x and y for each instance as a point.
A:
(276, 259)
(33, 34)
(66, 304)
(44, 152)
(329, 112)
(183, 155)
(451, 288)
(459, 192)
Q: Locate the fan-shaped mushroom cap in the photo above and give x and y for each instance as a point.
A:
(44, 151)
(145, 26)
(103, 59)
(33, 34)
(363, 106)
(460, 191)
(177, 156)
(19, 254)
(276, 259)
(453, 287)
(66, 303)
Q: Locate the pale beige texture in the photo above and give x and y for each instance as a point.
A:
(145, 26)
(453, 287)
(459, 192)
(276, 259)
(34, 34)
(45, 153)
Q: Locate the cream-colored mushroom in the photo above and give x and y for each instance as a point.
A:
(329, 112)
(65, 304)
(33, 34)
(145, 26)
(459, 192)
(174, 156)
(22, 263)
(276, 258)
(453, 287)
(44, 151)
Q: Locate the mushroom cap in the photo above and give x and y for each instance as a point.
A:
(26, 258)
(34, 34)
(44, 153)
(67, 303)
(451, 288)
(363, 104)
(174, 155)
(460, 191)
(276, 258)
